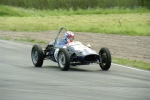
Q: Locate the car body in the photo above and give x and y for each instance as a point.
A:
(72, 54)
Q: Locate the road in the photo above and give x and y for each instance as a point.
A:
(20, 80)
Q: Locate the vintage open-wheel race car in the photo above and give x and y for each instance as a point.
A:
(75, 53)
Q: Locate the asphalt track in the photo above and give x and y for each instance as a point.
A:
(20, 80)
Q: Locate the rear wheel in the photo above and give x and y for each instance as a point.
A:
(37, 55)
(63, 59)
(105, 58)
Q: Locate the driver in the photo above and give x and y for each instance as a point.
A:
(69, 37)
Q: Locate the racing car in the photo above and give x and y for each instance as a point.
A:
(74, 54)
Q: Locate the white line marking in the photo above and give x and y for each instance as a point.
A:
(131, 68)
(112, 63)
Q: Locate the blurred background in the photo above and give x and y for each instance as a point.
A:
(75, 4)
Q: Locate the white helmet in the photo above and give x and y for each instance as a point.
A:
(69, 36)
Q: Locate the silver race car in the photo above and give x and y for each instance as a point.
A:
(75, 53)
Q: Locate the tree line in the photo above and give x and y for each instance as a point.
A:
(75, 4)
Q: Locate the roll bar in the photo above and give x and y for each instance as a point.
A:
(59, 31)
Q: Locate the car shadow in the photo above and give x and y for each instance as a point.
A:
(72, 68)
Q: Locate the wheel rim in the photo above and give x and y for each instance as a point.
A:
(62, 59)
(34, 56)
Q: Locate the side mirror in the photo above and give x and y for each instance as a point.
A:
(89, 46)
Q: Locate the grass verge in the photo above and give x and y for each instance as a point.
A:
(23, 40)
(5, 38)
(30, 40)
(132, 63)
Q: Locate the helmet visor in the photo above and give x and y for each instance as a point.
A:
(71, 37)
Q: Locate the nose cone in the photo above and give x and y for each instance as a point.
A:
(91, 58)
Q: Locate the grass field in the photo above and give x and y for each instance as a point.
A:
(127, 22)
(124, 24)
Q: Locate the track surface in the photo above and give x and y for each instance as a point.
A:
(20, 80)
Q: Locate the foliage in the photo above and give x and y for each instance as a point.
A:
(22, 12)
(75, 4)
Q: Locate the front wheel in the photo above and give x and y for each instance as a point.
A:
(105, 58)
(63, 59)
(37, 55)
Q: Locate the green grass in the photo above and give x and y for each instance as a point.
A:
(23, 39)
(5, 38)
(30, 40)
(133, 63)
(22, 12)
(124, 24)
(111, 21)
(76, 4)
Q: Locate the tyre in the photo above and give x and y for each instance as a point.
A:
(37, 55)
(105, 58)
(63, 59)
